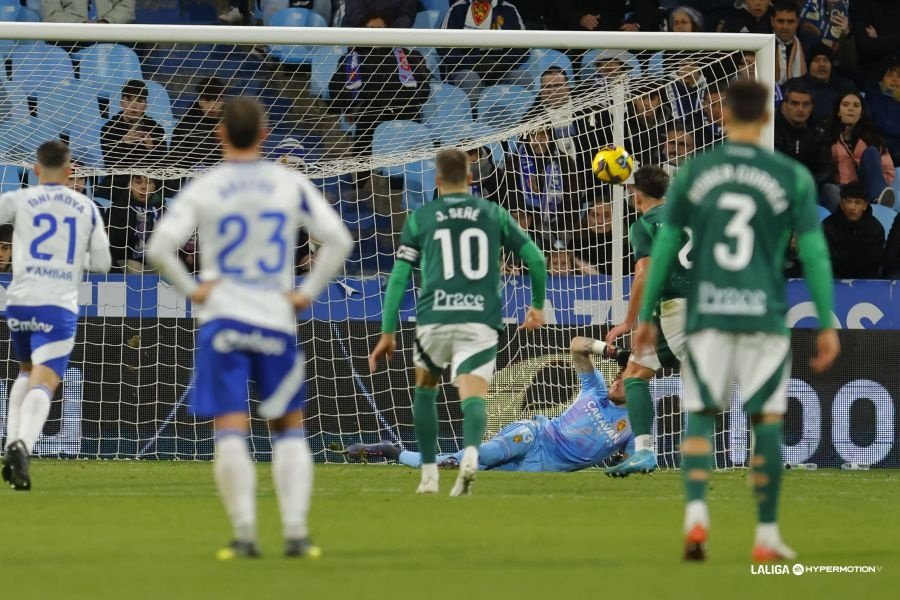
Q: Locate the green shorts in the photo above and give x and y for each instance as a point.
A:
(671, 342)
(469, 349)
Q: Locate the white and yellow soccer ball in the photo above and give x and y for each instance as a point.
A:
(613, 164)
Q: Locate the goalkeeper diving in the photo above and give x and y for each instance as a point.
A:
(593, 429)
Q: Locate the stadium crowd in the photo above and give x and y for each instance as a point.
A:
(837, 112)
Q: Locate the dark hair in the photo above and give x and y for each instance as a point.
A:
(854, 189)
(555, 71)
(452, 166)
(747, 101)
(864, 129)
(651, 181)
(135, 88)
(210, 88)
(6, 233)
(795, 86)
(786, 6)
(53, 155)
(244, 120)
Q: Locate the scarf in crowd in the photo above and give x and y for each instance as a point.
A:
(354, 79)
(542, 184)
(480, 14)
(816, 14)
(686, 101)
(789, 63)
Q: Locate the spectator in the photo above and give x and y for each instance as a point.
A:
(680, 144)
(790, 58)
(687, 93)
(825, 87)
(194, 142)
(400, 14)
(487, 177)
(891, 268)
(133, 215)
(470, 68)
(77, 182)
(884, 102)
(825, 22)
(572, 128)
(858, 151)
(712, 130)
(644, 127)
(6, 241)
(875, 30)
(685, 19)
(609, 15)
(611, 67)
(713, 11)
(543, 179)
(79, 11)
(855, 237)
(754, 16)
(131, 138)
(374, 85)
(538, 14)
(592, 242)
(799, 137)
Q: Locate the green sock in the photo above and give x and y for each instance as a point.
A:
(425, 421)
(640, 405)
(693, 466)
(474, 421)
(767, 470)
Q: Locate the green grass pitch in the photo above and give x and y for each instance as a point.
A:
(130, 530)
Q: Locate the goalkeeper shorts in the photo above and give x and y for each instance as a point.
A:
(42, 335)
(671, 340)
(469, 349)
(760, 362)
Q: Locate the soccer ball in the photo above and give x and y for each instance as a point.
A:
(613, 164)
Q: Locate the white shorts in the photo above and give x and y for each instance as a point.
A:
(469, 348)
(759, 362)
(671, 341)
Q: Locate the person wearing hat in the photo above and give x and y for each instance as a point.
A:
(825, 86)
(884, 103)
(855, 237)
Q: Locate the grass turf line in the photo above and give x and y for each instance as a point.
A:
(109, 529)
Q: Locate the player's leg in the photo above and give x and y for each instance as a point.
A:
(432, 351)
(510, 444)
(14, 408)
(707, 375)
(764, 365)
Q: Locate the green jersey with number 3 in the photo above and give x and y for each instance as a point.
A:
(641, 236)
(742, 204)
(456, 240)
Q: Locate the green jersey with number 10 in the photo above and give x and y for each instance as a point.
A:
(742, 204)
(456, 240)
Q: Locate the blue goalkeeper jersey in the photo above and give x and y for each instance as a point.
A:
(591, 430)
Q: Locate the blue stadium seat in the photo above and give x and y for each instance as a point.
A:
(439, 5)
(9, 11)
(394, 138)
(159, 106)
(39, 66)
(428, 19)
(448, 113)
(295, 17)
(28, 15)
(10, 178)
(885, 216)
(325, 60)
(107, 67)
(541, 59)
(588, 68)
(72, 110)
(824, 213)
(504, 105)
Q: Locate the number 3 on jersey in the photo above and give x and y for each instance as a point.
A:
(738, 229)
(464, 260)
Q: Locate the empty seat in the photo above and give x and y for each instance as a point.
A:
(71, 110)
(504, 105)
(824, 213)
(324, 63)
(885, 216)
(448, 113)
(397, 139)
(428, 19)
(107, 67)
(589, 60)
(441, 6)
(10, 178)
(295, 17)
(39, 66)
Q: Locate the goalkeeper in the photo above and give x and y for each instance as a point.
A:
(593, 429)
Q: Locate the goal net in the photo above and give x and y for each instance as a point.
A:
(362, 113)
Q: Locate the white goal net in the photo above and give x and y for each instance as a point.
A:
(362, 113)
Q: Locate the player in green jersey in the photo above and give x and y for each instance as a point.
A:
(456, 241)
(742, 204)
(650, 185)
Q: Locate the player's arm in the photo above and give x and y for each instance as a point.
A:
(7, 207)
(99, 256)
(407, 258)
(813, 252)
(515, 239)
(171, 232)
(634, 302)
(335, 241)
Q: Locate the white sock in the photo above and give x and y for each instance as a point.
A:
(598, 347)
(14, 408)
(643, 442)
(33, 414)
(470, 454)
(236, 479)
(292, 471)
(429, 471)
(695, 513)
(767, 534)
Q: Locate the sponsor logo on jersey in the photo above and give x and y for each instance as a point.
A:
(229, 340)
(731, 301)
(50, 273)
(604, 427)
(621, 425)
(480, 12)
(33, 325)
(457, 301)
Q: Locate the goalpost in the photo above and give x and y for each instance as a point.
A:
(361, 112)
